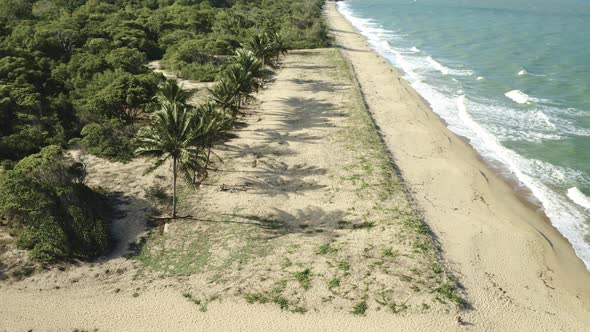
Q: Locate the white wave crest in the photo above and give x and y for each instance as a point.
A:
(544, 118)
(438, 66)
(578, 197)
(522, 72)
(446, 70)
(517, 96)
(414, 49)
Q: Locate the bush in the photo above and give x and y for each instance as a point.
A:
(202, 73)
(51, 214)
(110, 139)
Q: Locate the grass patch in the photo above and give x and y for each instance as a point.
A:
(360, 308)
(448, 290)
(304, 278)
(326, 249)
(201, 303)
(190, 250)
(334, 283)
(344, 266)
(389, 252)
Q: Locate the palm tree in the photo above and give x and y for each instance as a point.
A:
(247, 60)
(261, 46)
(209, 127)
(170, 136)
(171, 93)
(225, 94)
(235, 87)
(244, 82)
(279, 45)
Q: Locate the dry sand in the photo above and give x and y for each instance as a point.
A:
(519, 272)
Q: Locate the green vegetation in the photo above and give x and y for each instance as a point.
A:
(360, 308)
(65, 65)
(50, 210)
(74, 73)
(327, 249)
(334, 283)
(304, 278)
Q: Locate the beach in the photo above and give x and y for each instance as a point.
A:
(518, 270)
(314, 221)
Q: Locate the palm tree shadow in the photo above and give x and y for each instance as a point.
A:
(273, 177)
(309, 113)
(309, 221)
(318, 85)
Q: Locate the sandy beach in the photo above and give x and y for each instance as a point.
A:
(519, 272)
(308, 226)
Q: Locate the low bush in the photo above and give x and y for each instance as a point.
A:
(51, 211)
(110, 139)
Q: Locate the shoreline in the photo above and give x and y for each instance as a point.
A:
(437, 165)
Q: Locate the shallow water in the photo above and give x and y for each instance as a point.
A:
(512, 76)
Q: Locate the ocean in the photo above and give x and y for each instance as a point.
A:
(513, 77)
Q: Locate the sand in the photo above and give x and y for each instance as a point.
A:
(305, 186)
(291, 176)
(519, 272)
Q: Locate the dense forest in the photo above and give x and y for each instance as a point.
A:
(73, 72)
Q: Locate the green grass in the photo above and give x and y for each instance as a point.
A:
(344, 266)
(448, 290)
(201, 303)
(389, 252)
(326, 249)
(334, 283)
(304, 278)
(360, 308)
(195, 250)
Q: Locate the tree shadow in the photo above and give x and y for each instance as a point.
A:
(351, 49)
(309, 221)
(276, 178)
(255, 150)
(131, 217)
(271, 136)
(310, 67)
(318, 85)
(308, 113)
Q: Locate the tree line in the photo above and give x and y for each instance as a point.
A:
(72, 72)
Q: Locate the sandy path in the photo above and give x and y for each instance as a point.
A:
(519, 272)
(199, 89)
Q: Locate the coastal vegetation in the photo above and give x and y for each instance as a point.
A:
(72, 73)
(352, 241)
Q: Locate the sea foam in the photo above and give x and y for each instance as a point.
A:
(578, 197)
(517, 96)
(446, 70)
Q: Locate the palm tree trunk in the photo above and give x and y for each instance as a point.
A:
(174, 161)
(208, 158)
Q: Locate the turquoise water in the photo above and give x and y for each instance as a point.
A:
(511, 76)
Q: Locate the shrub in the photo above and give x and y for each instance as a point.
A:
(51, 214)
(109, 139)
